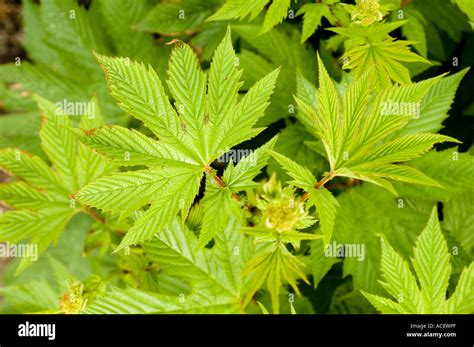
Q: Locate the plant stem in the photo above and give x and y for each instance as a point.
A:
(219, 181)
(221, 184)
(93, 214)
(320, 184)
(325, 180)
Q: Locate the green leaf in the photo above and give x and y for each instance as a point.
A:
(328, 115)
(432, 267)
(28, 167)
(21, 195)
(276, 13)
(187, 84)
(401, 149)
(133, 301)
(313, 13)
(399, 280)
(213, 274)
(326, 205)
(375, 211)
(126, 191)
(177, 17)
(208, 39)
(77, 38)
(435, 105)
(264, 310)
(383, 304)
(353, 135)
(442, 167)
(302, 177)
(447, 18)
(130, 81)
(224, 84)
(462, 301)
(232, 251)
(354, 108)
(458, 215)
(20, 130)
(239, 9)
(140, 93)
(295, 238)
(371, 48)
(46, 196)
(383, 119)
(296, 143)
(176, 194)
(207, 122)
(306, 98)
(58, 143)
(19, 225)
(368, 177)
(128, 147)
(120, 18)
(272, 267)
(239, 126)
(35, 34)
(320, 263)
(176, 250)
(414, 29)
(218, 206)
(375, 172)
(31, 297)
(91, 165)
(431, 263)
(267, 51)
(240, 176)
(467, 7)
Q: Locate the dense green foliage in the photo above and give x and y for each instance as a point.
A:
(241, 156)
